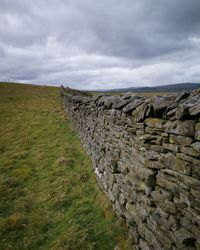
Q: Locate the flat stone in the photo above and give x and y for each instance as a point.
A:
(183, 95)
(161, 213)
(190, 226)
(192, 215)
(182, 111)
(165, 184)
(144, 246)
(139, 125)
(188, 180)
(147, 137)
(195, 110)
(180, 127)
(161, 236)
(184, 237)
(133, 105)
(132, 211)
(119, 208)
(152, 155)
(150, 164)
(190, 151)
(183, 127)
(188, 158)
(196, 171)
(121, 103)
(196, 147)
(180, 140)
(197, 131)
(155, 122)
(171, 147)
(172, 162)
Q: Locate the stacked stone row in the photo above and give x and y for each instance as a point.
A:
(146, 155)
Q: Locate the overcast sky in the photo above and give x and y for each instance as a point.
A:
(91, 44)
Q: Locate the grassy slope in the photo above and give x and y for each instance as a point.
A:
(49, 197)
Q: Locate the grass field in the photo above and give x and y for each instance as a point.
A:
(49, 197)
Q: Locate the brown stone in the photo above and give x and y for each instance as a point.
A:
(155, 122)
(185, 128)
(171, 162)
(197, 131)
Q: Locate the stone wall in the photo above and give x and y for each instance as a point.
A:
(146, 155)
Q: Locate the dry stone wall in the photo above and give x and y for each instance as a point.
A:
(146, 156)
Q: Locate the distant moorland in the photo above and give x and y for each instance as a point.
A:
(160, 88)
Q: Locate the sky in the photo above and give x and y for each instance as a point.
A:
(91, 44)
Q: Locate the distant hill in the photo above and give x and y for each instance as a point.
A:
(161, 88)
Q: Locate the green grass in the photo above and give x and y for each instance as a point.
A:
(49, 197)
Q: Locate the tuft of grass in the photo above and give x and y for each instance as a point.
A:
(50, 198)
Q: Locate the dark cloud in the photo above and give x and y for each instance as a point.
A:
(99, 44)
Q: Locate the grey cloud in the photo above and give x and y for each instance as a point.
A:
(151, 28)
(100, 44)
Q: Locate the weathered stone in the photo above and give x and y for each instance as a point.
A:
(152, 155)
(144, 173)
(153, 131)
(164, 183)
(196, 147)
(195, 110)
(182, 95)
(161, 213)
(150, 164)
(188, 158)
(131, 210)
(164, 204)
(195, 193)
(180, 127)
(157, 148)
(144, 245)
(149, 236)
(161, 236)
(133, 105)
(191, 227)
(197, 131)
(139, 132)
(182, 111)
(114, 166)
(164, 134)
(188, 180)
(181, 140)
(186, 198)
(147, 137)
(121, 103)
(143, 211)
(157, 196)
(192, 215)
(148, 190)
(170, 113)
(119, 208)
(190, 151)
(122, 167)
(132, 130)
(172, 162)
(139, 125)
(155, 122)
(168, 126)
(184, 237)
(122, 199)
(171, 147)
(141, 198)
